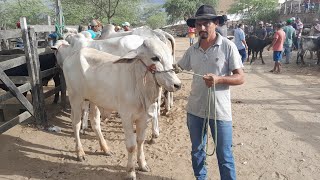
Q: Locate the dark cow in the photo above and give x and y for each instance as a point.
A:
(47, 61)
(308, 43)
(256, 45)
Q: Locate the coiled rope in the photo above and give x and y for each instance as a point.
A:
(206, 120)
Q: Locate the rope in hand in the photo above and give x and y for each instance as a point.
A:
(206, 121)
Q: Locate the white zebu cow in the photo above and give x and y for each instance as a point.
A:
(108, 32)
(129, 85)
(117, 46)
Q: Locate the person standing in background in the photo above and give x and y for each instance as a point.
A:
(240, 41)
(126, 26)
(95, 29)
(298, 32)
(191, 35)
(222, 27)
(290, 35)
(277, 46)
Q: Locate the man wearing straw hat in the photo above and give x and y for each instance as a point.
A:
(216, 63)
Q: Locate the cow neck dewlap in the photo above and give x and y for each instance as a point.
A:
(150, 88)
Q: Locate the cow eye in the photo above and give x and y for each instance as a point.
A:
(155, 59)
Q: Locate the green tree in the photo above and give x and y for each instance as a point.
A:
(183, 9)
(157, 20)
(127, 11)
(35, 12)
(77, 12)
(108, 11)
(256, 10)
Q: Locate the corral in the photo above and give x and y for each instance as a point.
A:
(32, 82)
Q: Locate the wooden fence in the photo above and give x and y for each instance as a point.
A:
(32, 82)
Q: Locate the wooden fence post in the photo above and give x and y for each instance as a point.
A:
(32, 61)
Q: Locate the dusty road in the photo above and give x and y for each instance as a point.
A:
(276, 135)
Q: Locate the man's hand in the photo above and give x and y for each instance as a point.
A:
(211, 79)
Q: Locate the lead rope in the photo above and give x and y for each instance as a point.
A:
(206, 121)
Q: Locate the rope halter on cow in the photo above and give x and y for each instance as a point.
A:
(153, 70)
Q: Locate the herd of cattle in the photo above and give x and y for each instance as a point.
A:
(124, 72)
(308, 44)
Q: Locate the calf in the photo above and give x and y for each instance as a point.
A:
(256, 45)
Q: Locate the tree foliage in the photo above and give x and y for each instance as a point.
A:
(256, 10)
(127, 12)
(108, 11)
(183, 9)
(82, 12)
(35, 12)
(157, 20)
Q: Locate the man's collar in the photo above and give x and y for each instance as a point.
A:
(218, 41)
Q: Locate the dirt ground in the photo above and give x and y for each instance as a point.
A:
(276, 134)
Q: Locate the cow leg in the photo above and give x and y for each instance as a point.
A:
(253, 57)
(95, 124)
(155, 122)
(141, 131)
(311, 55)
(298, 57)
(57, 83)
(76, 124)
(166, 104)
(171, 99)
(159, 101)
(302, 57)
(249, 53)
(131, 143)
(261, 57)
(85, 116)
(318, 56)
(168, 100)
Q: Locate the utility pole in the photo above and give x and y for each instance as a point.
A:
(59, 18)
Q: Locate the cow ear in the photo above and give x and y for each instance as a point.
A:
(128, 58)
(124, 60)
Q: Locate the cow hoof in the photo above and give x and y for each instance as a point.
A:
(263, 63)
(108, 153)
(131, 176)
(155, 135)
(151, 141)
(144, 169)
(164, 113)
(81, 158)
(83, 132)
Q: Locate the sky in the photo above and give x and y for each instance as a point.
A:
(157, 1)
